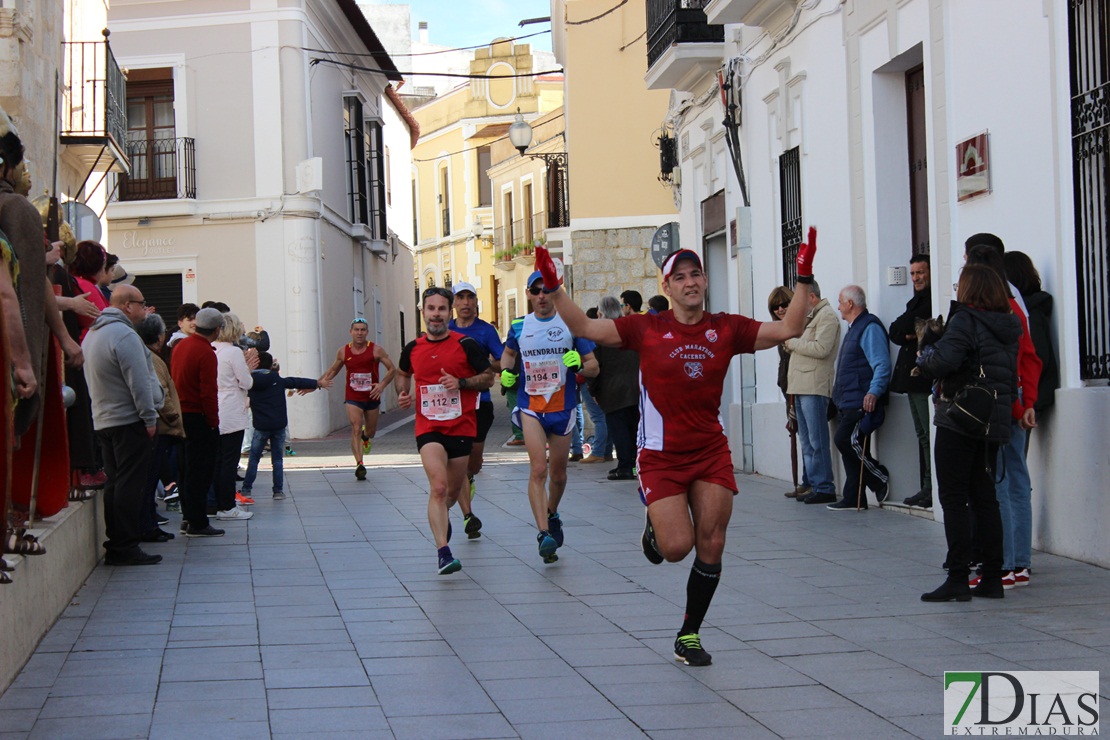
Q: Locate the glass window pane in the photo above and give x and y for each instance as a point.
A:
(163, 112)
(136, 114)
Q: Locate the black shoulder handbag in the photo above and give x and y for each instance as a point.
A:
(971, 406)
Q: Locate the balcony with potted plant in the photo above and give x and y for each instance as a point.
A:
(522, 254)
(503, 259)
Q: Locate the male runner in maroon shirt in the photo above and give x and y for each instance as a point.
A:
(363, 395)
(685, 467)
(450, 371)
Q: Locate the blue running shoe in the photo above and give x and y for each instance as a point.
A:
(548, 546)
(448, 564)
(555, 527)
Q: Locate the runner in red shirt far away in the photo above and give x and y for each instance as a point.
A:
(363, 395)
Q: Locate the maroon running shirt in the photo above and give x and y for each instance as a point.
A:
(682, 374)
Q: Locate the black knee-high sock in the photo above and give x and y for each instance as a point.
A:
(699, 592)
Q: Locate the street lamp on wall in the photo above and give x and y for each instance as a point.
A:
(558, 209)
(520, 133)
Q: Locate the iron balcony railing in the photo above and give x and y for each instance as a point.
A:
(162, 169)
(678, 22)
(95, 93)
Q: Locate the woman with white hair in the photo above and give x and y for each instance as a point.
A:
(233, 380)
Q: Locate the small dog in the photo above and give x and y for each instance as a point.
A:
(928, 332)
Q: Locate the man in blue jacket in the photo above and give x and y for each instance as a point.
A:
(862, 378)
(267, 397)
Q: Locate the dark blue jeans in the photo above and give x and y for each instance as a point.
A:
(277, 458)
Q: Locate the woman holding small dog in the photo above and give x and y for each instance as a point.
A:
(979, 344)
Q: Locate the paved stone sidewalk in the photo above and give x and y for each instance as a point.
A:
(324, 617)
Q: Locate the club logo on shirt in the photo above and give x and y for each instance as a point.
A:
(693, 369)
(556, 334)
(711, 335)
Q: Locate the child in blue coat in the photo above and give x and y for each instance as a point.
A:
(267, 397)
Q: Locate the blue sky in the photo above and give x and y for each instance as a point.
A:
(460, 23)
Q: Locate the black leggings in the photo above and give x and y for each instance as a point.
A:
(965, 478)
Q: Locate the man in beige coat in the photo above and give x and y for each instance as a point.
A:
(810, 381)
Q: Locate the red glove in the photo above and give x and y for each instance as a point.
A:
(806, 250)
(546, 266)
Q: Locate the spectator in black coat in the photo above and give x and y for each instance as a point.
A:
(980, 338)
(916, 387)
(1024, 276)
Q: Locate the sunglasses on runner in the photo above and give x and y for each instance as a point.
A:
(438, 291)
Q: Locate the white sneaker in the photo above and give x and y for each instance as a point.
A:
(235, 513)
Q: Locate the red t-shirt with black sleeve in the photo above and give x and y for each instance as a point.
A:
(682, 375)
(437, 409)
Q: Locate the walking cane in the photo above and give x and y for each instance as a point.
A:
(793, 428)
(859, 493)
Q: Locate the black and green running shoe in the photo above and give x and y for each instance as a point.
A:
(360, 472)
(687, 649)
(472, 525)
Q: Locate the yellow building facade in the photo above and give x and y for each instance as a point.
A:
(612, 125)
(463, 218)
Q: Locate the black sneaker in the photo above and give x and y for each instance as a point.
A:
(208, 531)
(647, 542)
(156, 535)
(846, 505)
(687, 649)
(555, 527)
(162, 521)
(472, 525)
(184, 526)
(360, 472)
(137, 558)
(819, 498)
(279, 495)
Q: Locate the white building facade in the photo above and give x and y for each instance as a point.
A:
(858, 118)
(269, 175)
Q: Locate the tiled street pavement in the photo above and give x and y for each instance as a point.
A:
(323, 616)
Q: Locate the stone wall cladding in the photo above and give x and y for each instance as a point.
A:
(610, 261)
